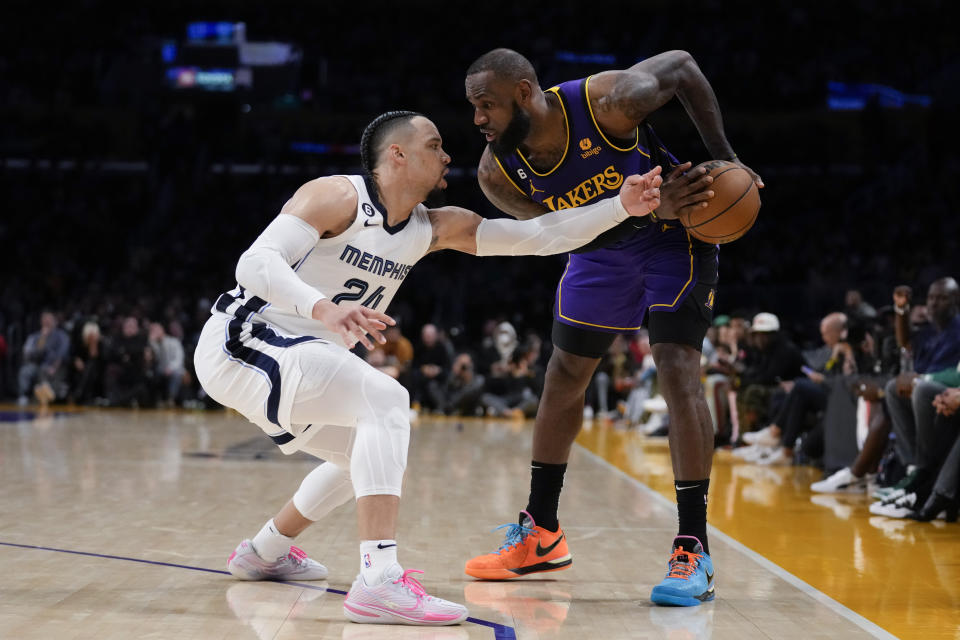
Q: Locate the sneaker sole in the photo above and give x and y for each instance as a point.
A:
(676, 600)
(365, 615)
(847, 489)
(239, 571)
(509, 574)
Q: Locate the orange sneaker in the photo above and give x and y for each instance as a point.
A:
(526, 549)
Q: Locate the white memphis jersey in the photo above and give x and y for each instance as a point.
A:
(366, 264)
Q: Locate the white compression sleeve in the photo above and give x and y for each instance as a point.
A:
(265, 268)
(554, 232)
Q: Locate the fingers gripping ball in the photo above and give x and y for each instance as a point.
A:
(731, 211)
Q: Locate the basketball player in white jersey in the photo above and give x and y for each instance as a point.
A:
(315, 283)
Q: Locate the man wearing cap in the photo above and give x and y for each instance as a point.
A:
(772, 359)
(806, 394)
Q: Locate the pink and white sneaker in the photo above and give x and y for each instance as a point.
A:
(399, 599)
(244, 563)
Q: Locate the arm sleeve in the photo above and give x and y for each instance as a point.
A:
(265, 268)
(554, 232)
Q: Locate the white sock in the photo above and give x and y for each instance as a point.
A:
(376, 556)
(270, 544)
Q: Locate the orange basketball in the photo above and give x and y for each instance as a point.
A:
(731, 211)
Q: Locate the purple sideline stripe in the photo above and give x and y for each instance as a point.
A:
(500, 631)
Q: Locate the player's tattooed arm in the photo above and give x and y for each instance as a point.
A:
(622, 100)
(625, 98)
(502, 193)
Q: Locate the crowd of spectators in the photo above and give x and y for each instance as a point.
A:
(876, 406)
(127, 204)
(143, 359)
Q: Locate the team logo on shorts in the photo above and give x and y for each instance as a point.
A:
(585, 144)
(710, 297)
(366, 561)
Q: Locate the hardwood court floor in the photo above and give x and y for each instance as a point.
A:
(180, 489)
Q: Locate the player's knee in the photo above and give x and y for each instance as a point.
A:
(384, 393)
(571, 373)
(678, 368)
(324, 489)
(391, 407)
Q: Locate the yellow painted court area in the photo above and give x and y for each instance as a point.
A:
(900, 574)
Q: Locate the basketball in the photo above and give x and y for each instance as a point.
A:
(731, 211)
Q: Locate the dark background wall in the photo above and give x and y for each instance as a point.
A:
(120, 194)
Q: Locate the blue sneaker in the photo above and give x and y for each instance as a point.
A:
(689, 579)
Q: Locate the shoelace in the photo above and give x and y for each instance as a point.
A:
(411, 583)
(298, 556)
(682, 568)
(516, 533)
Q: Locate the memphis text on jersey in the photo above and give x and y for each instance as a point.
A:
(587, 190)
(375, 264)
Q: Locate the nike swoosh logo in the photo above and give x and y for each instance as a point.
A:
(415, 612)
(367, 223)
(542, 552)
(710, 577)
(385, 546)
(685, 488)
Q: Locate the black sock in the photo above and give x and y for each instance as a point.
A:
(692, 509)
(546, 481)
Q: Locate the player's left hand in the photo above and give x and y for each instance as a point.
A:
(352, 322)
(683, 189)
(753, 174)
(640, 194)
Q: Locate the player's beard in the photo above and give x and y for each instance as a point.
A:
(515, 133)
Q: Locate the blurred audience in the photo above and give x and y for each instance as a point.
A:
(463, 392)
(130, 364)
(43, 373)
(87, 380)
(431, 364)
(169, 358)
(806, 396)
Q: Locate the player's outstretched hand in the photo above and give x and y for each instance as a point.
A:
(353, 323)
(641, 193)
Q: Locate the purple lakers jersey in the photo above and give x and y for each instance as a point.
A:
(612, 283)
(593, 165)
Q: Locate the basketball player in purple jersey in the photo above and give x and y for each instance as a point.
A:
(560, 148)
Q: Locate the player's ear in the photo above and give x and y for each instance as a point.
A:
(523, 92)
(396, 152)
